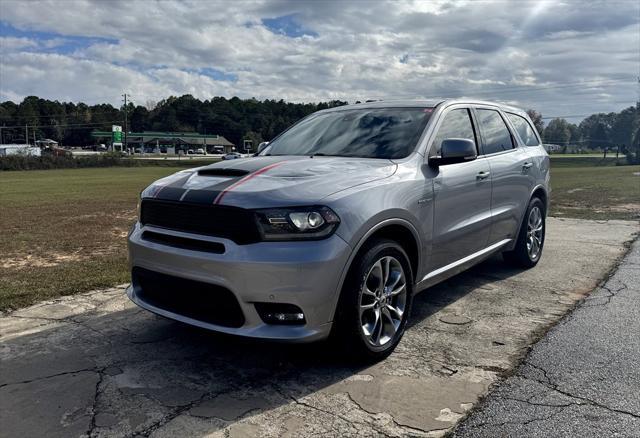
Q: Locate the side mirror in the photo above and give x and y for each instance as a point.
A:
(261, 146)
(455, 150)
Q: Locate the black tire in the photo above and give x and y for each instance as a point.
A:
(348, 330)
(521, 256)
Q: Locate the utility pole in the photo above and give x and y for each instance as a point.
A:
(26, 134)
(126, 145)
(638, 101)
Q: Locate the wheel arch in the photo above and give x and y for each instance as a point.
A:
(399, 230)
(538, 191)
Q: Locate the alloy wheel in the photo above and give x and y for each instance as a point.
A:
(535, 226)
(383, 301)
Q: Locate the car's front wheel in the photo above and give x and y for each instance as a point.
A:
(376, 301)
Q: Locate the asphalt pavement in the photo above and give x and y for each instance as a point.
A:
(582, 379)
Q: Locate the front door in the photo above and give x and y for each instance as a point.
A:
(462, 197)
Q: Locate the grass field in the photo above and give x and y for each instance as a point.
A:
(64, 231)
(593, 188)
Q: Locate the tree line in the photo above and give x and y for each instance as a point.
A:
(598, 131)
(237, 119)
(71, 124)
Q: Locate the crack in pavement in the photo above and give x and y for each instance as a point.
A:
(68, 319)
(96, 395)
(174, 413)
(549, 384)
(396, 422)
(610, 294)
(587, 400)
(36, 379)
(522, 423)
(342, 417)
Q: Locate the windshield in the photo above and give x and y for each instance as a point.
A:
(369, 133)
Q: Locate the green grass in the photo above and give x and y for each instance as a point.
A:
(585, 161)
(593, 188)
(64, 231)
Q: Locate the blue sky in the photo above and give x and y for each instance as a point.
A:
(287, 25)
(543, 54)
(52, 42)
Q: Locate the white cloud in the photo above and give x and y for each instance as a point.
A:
(9, 44)
(352, 50)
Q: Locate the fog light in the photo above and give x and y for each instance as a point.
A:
(282, 314)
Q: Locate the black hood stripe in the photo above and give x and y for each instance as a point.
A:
(200, 196)
(169, 193)
(264, 169)
(213, 194)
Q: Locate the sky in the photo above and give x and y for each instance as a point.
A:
(563, 58)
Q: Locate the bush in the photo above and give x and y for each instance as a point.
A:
(633, 152)
(28, 162)
(109, 159)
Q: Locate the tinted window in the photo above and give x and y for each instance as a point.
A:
(525, 131)
(495, 133)
(456, 124)
(370, 133)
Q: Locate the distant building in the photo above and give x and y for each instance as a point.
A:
(552, 147)
(47, 143)
(180, 141)
(19, 149)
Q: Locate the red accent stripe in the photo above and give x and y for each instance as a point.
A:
(243, 180)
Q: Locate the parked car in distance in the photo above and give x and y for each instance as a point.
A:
(232, 156)
(200, 151)
(337, 223)
(190, 152)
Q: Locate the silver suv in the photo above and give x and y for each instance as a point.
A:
(334, 227)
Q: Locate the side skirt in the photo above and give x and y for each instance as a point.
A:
(441, 274)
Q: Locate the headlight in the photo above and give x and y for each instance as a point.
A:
(297, 223)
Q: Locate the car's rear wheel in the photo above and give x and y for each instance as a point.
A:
(528, 249)
(375, 301)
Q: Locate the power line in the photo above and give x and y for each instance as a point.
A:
(593, 83)
(63, 125)
(72, 114)
(125, 119)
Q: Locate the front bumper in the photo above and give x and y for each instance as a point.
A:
(306, 274)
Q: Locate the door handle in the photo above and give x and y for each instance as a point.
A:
(483, 175)
(527, 165)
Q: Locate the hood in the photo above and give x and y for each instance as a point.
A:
(269, 181)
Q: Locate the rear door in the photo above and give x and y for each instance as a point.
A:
(462, 195)
(510, 166)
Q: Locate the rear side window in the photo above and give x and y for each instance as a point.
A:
(496, 135)
(456, 124)
(525, 131)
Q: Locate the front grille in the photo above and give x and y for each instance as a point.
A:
(194, 299)
(184, 243)
(232, 223)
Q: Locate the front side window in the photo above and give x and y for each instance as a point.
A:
(456, 124)
(370, 133)
(496, 135)
(525, 131)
